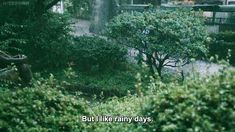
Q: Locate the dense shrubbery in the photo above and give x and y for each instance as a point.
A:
(109, 83)
(126, 106)
(161, 36)
(43, 41)
(40, 108)
(48, 44)
(10, 37)
(200, 104)
(196, 104)
(95, 53)
(48, 41)
(35, 31)
(220, 45)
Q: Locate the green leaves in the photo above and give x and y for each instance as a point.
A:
(79, 8)
(94, 53)
(200, 104)
(40, 108)
(11, 38)
(48, 39)
(178, 34)
(223, 45)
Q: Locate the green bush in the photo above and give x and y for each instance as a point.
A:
(126, 106)
(200, 104)
(97, 54)
(227, 36)
(161, 35)
(40, 108)
(48, 44)
(220, 45)
(43, 41)
(109, 83)
(9, 37)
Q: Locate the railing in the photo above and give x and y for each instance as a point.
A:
(133, 7)
(209, 20)
(14, 3)
(219, 21)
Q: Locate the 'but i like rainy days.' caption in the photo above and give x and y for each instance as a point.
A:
(127, 119)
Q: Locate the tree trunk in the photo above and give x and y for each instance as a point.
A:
(159, 71)
(150, 64)
(159, 67)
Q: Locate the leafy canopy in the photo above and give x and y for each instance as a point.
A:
(160, 36)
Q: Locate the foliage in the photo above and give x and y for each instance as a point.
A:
(79, 8)
(116, 82)
(10, 37)
(200, 104)
(197, 104)
(160, 36)
(127, 106)
(24, 9)
(43, 41)
(95, 53)
(228, 36)
(40, 108)
(221, 44)
(48, 40)
(17, 13)
(33, 30)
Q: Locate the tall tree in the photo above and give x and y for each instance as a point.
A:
(165, 38)
(31, 7)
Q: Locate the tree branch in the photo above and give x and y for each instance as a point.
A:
(171, 65)
(165, 58)
(54, 2)
(168, 62)
(175, 63)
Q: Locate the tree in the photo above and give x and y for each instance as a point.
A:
(80, 8)
(35, 31)
(31, 8)
(163, 38)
